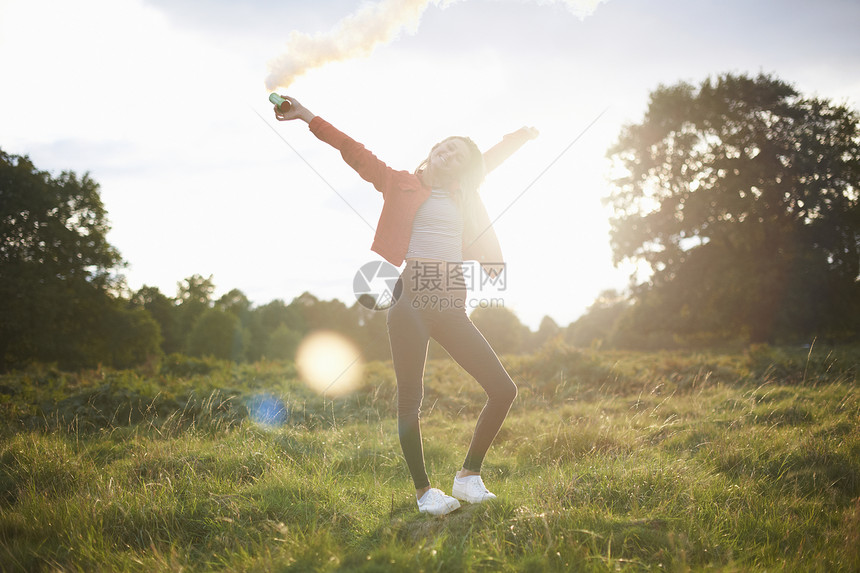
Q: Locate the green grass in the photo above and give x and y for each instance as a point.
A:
(608, 461)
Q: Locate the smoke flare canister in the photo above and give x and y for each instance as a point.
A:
(282, 104)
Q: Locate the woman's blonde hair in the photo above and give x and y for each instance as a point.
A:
(472, 174)
(470, 178)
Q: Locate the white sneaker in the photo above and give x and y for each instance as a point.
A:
(436, 502)
(471, 489)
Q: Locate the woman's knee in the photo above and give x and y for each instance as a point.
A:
(409, 405)
(505, 391)
(514, 391)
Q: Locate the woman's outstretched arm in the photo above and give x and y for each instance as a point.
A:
(365, 163)
(510, 143)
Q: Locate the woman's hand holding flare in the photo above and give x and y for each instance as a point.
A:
(296, 111)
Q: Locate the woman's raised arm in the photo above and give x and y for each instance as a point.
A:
(365, 163)
(510, 143)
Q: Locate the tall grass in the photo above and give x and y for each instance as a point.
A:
(608, 461)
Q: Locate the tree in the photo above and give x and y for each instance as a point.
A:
(548, 330)
(742, 197)
(59, 285)
(165, 312)
(219, 334)
(195, 297)
(371, 330)
(266, 321)
(325, 314)
(598, 325)
(282, 344)
(131, 336)
(236, 303)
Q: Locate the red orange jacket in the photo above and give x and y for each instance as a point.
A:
(403, 193)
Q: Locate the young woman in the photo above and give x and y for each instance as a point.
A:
(433, 219)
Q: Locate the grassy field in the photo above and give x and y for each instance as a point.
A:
(608, 461)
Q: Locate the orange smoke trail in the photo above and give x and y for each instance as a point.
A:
(354, 36)
(359, 33)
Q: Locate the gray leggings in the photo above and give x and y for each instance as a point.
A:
(417, 316)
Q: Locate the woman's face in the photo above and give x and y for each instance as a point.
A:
(449, 157)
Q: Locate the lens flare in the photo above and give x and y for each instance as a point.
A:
(329, 363)
(267, 410)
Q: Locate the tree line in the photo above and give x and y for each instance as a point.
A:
(232, 328)
(63, 298)
(740, 196)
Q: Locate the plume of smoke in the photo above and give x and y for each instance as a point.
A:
(354, 36)
(359, 33)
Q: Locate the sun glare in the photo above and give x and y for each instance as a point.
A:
(329, 363)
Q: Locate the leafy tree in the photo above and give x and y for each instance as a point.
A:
(548, 329)
(165, 312)
(235, 302)
(599, 323)
(196, 290)
(218, 334)
(195, 297)
(266, 320)
(277, 313)
(742, 197)
(324, 314)
(282, 344)
(131, 337)
(371, 327)
(58, 284)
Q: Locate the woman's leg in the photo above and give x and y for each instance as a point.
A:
(408, 337)
(464, 342)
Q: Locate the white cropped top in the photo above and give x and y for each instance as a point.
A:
(437, 230)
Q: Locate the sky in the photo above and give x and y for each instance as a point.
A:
(164, 103)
